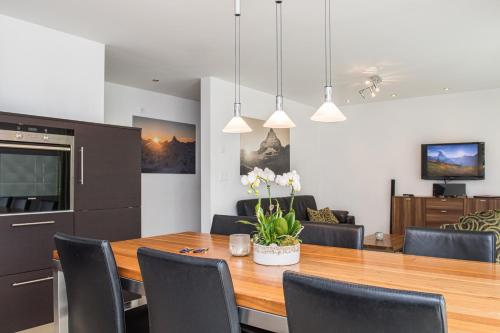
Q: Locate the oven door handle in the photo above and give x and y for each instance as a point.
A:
(37, 147)
(82, 154)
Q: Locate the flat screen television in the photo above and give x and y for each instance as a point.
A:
(449, 161)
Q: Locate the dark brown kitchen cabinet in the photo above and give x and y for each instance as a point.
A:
(26, 300)
(107, 200)
(108, 167)
(26, 241)
(110, 224)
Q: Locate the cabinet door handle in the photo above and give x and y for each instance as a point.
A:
(30, 224)
(482, 200)
(82, 153)
(444, 211)
(443, 200)
(408, 199)
(24, 283)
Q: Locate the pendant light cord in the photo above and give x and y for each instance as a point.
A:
(328, 44)
(237, 59)
(330, 38)
(279, 49)
(277, 54)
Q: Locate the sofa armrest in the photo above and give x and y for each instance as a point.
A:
(343, 216)
(350, 220)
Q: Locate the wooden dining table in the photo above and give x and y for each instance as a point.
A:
(471, 289)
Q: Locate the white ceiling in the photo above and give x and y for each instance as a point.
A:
(417, 46)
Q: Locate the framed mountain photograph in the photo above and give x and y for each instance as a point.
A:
(167, 146)
(264, 148)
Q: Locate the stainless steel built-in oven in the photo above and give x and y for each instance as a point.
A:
(36, 169)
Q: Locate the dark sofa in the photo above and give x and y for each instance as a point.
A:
(301, 203)
(317, 233)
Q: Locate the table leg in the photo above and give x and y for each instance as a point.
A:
(60, 300)
(264, 320)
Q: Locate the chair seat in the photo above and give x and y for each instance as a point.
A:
(137, 319)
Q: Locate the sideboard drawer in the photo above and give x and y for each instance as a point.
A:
(435, 217)
(26, 300)
(26, 241)
(445, 204)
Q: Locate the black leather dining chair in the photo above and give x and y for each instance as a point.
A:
(95, 301)
(338, 235)
(452, 244)
(317, 305)
(189, 294)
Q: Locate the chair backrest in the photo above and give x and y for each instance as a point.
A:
(453, 244)
(188, 294)
(300, 204)
(19, 203)
(338, 235)
(227, 225)
(95, 301)
(317, 305)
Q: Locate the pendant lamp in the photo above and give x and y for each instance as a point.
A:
(237, 124)
(328, 112)
(279, 118)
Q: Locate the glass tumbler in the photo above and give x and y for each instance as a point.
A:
(239, 245)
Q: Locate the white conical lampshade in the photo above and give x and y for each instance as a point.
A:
(237, 125)
(328, 112)
(279, 119)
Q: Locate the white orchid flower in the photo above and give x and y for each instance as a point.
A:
(252, 177)
(297, 186)
(281, 180)
(258, 171)
(269, 175)
(245, 181)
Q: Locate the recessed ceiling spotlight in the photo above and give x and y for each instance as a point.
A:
(446, 89)
(368, 82)
(348, 101)
(394, 95)
(155, 80)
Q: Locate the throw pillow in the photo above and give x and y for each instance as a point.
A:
(322, 215)
(480, 221)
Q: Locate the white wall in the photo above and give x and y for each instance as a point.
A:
(381, 141)
(221, 186)
(170, 202)
(50, 73)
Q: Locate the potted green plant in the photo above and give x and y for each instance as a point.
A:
(276, 239)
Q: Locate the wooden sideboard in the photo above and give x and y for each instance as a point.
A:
(432, 212)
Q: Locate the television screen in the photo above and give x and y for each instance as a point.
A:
(453, 161)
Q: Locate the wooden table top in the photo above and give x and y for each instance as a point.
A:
(471, 289)
(390, 243)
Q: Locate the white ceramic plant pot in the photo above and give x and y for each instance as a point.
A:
(274, 255)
